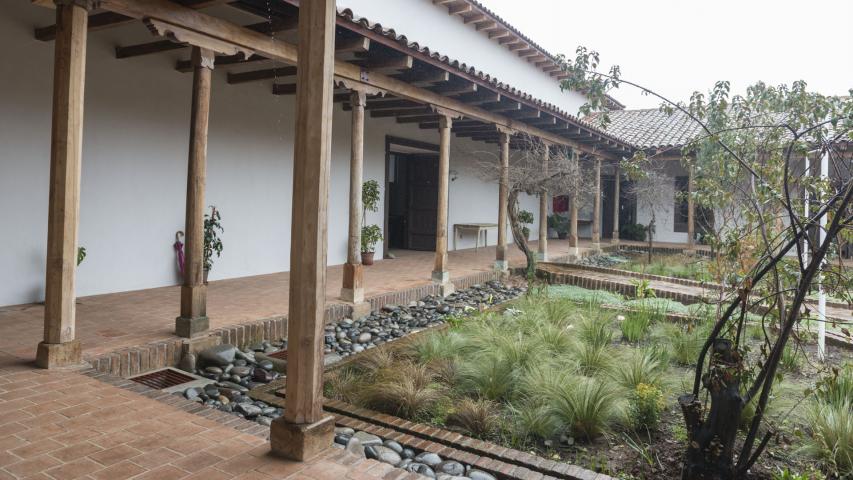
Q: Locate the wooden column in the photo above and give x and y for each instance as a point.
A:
(353, 288)
(691, 214)
(543, 211)
(596, 208)
(573, 220)
(440, 274)
(501, 262)
(303, 432)
(193, 320)
(60, 346)
(616, 176)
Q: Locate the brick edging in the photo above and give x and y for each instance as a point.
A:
(506, 463)
(646, 276)
(135, 360)
(622, 288)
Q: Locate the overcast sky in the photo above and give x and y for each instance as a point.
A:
(678, 46)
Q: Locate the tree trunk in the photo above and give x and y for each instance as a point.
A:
(518, 233)
(711, 440)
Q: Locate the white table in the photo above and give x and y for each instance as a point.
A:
(460, 228)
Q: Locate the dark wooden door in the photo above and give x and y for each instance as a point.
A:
(422, 179)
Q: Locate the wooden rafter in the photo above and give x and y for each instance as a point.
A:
(255, 75)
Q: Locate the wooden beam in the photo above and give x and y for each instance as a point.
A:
(348, 49)
(101, 21)
(304, 432)
(460, 8)
(450, 89)
(280, 51)
(424, 78)
(418, 119)
(352, 289)
(168, 45)
(284, 89)
(185, 66)
(60, 346)
(501, 260)
(440, 273)
(255, 75)
(391, 64)
(193, 320)
(399, 112)
(476, 17)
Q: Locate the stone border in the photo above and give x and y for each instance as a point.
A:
(646, 276)
(503, 462)
(625, 289)
(135, 360)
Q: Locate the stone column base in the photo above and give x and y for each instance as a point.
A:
(614, 241)
(501, 265)
(541, 256)
(596, 247)
(58, 355)
(360, 310)
(574, 252)
(301, 442)
(440, 277)
(191, 327)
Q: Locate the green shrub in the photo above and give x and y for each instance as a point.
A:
(786, 474)
(635, 326)
(531, 422)
(592, 359)
(345, 385)
(643, 367)
(488, 375)
(645, 407)
(837, 389)
(437, 346)
(831, 440)
(792, 358)
(405, 389)
(686, 345)
(596, 331)
(586, 407)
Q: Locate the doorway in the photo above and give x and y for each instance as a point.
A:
(411, 194)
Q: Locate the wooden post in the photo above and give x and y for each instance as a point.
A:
(440, 274)
(501, 263)
(596, 208)
(303, 432)
(616, 177)
(193, 320)
(60, 346)
(543, 211)
(573, 220)
(691, 214)
(353, 288)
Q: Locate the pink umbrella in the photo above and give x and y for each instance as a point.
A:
(179, 251)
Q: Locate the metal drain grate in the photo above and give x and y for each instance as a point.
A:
(162, 379)
(281, 355)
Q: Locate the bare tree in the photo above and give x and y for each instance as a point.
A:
(653, 191)
(536, 166)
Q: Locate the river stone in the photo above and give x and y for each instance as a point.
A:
(421, 468)
(480, 475)
(249, 410)
(383, 454)
(263, 376)
(345, 431)
(234, 386)
(219, 355)
(364, 337)
(408, 453)
(450, 467)
(192, 393)
(367, 439)
(428, 458)
(266, 365)
(241, 371)
(355, 446)
(213, 370)
(393, 446)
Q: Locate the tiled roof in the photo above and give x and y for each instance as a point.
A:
(401, 39)
(650, 128)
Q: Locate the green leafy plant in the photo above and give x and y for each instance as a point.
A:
(786, 474)
(643, 367)
(586, 407)
(643, 289)
(81, 255)
(406, 389)
(635, 326)
(646, 404)
(212, 242)
(370, 234)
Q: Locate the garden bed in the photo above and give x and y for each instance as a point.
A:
(574, 383)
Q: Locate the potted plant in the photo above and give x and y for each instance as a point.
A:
(370, 234)
(553, 225)
(563, 228)
(212, 242)
(525, 218)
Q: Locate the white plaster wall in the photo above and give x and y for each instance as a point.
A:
(664, 214)
(134, 167)
(430, 25)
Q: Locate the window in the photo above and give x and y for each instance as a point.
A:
(681, 189)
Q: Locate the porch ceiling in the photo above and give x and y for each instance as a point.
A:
(376, 49)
